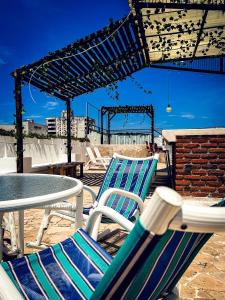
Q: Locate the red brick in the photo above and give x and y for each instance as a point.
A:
(200, 150)
(213, 183)
(182, 150)
(179, 188)
(199, 172)
(196, 166)
(222, 155)
(216, 150)
(221, 189)
(199, 140)
(179, 176)
(185, 193)
(199, 161)
(207, 188)
(179, 166)
(180, 145)
(218, 139)
(191, 146)
(217, 195)
(192, 155)
(199, 194)
(198, 183)
(195, 188)
(208, 145)
(209, 178)
(180, 172)
(193, 177)
(183, 140)
(221, 145)
(221, 167)
(182, 160)
(211, 167)
(209, 155)
(182, 182)
(216, 172)
(217, 161)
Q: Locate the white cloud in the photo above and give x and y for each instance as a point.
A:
(50, 105)
(171, 115)
(188, 116)
(34, 117)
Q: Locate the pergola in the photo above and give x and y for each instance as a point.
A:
(184, 35)
(112, 111)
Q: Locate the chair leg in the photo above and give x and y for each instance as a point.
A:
(44, 225)
(12, 230)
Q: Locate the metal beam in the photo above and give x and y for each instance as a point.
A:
(187, 69)
(200, 33)
(19, 122)
(171, 5)
(68, 117)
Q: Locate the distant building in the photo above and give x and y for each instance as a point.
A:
(29, 127)
(79, 125)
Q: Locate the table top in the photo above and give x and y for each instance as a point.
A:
(29, 190)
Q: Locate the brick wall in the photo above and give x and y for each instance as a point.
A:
(200, 165)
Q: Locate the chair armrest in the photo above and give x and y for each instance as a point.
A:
(117, 191)
(91, 227)
(7, 289)
(91, 191)
(112, 214)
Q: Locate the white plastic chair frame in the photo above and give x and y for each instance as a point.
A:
(95, 161)
(165, 210)
(98, 155)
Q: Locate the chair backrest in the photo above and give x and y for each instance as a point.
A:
(91, 154)
(97, 152)
(130, 174)
(149, 266)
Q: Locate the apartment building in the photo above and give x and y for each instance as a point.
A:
(79, 125)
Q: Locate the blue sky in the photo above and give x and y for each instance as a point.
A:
(32, 28)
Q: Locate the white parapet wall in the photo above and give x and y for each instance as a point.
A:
(37, 153)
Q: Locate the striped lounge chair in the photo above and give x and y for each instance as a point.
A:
(132, 175)
(148, 265)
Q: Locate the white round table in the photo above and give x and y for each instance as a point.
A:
(22, 191)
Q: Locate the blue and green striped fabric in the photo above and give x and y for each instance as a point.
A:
(150, 266)
(69, 270)
(130, 175)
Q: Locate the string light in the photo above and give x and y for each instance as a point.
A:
(168, 108)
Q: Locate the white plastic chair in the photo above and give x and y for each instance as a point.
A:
(95, 161)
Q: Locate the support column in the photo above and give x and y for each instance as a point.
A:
(68, 110)
(102, 114)
(108, 129)
(19, 122)
(153, 129)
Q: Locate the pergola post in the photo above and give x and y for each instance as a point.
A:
(68, 110)
(19, 122)
(153, 125)
(102, 114)
(108, 129)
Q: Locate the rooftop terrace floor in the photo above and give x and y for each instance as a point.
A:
(204, 279)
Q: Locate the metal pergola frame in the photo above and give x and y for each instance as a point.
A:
(112, 111)
(102, 58)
